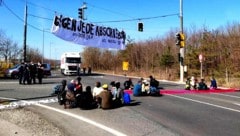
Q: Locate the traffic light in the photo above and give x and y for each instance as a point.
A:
(80, 13)
(140, 27)
(180, 40)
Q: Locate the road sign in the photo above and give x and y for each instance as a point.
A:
(200, 57)
(125, 65)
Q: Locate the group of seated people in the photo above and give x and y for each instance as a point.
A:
(143, 87)
(102, 96)
(193, 84)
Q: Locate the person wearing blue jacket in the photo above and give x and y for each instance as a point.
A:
(137, 89)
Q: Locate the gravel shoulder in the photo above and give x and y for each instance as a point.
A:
(23, 122)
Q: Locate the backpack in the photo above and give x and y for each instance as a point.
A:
(126, 98)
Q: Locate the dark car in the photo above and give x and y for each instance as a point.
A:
(13, 72)
(46, 69)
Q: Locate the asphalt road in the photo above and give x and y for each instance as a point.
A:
(189, 114)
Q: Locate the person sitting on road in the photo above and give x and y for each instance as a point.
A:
(128, 84)
(71, 101)
(113, 89)
(60, 92)
(104, 99)
(78, 86)
(145, 87)
(137, 89)
(202, 85)
(85, 100)
(188, 84)
(193, 83)
(153, 86)
(97, 89)
(213, 84)
(118, 101)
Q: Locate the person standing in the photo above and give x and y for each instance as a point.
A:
(33, 71)
(26, 74)
(40, 72)
(20, 73)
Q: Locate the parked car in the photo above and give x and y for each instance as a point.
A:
(13, 72)
(46, 69)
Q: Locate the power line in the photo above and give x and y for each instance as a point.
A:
(12, 12)
(134, 19)
(113, 21)
(40, 17)
(110, 11)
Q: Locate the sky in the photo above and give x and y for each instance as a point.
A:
(157, 16)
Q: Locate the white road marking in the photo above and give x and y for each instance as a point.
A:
(22, 103)
(206, 103)
(227, 95)
(110, 130)
(238, 104)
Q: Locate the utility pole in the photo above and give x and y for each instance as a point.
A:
(43, 46)
(25, 35)
(181, 51)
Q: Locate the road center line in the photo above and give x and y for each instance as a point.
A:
(110, 130)
(206, 103)
(238, 104)
(227, 95)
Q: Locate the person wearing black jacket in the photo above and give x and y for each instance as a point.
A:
(40, 72)
(20, 73)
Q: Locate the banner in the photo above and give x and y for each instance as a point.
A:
(88, 34)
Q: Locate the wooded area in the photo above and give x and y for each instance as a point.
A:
(159, 57)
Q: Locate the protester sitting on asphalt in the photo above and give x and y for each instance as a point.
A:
(128, 84)
(70, 97)
(188, 84)
(79, 87)
(59, 88)
(137, 89)
(193, 83)
(202, 85)
(113, 89)
(118, 95)
(104, 99)
(145, 87)
(154, 84)
(61, 93)
(97, 89)
(85, 100)
(213, 84)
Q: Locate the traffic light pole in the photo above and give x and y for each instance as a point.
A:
(181, 51)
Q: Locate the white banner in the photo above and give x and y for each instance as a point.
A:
(88, 34)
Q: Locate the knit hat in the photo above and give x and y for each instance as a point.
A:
(105, 86)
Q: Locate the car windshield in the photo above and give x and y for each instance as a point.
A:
(16, 66)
